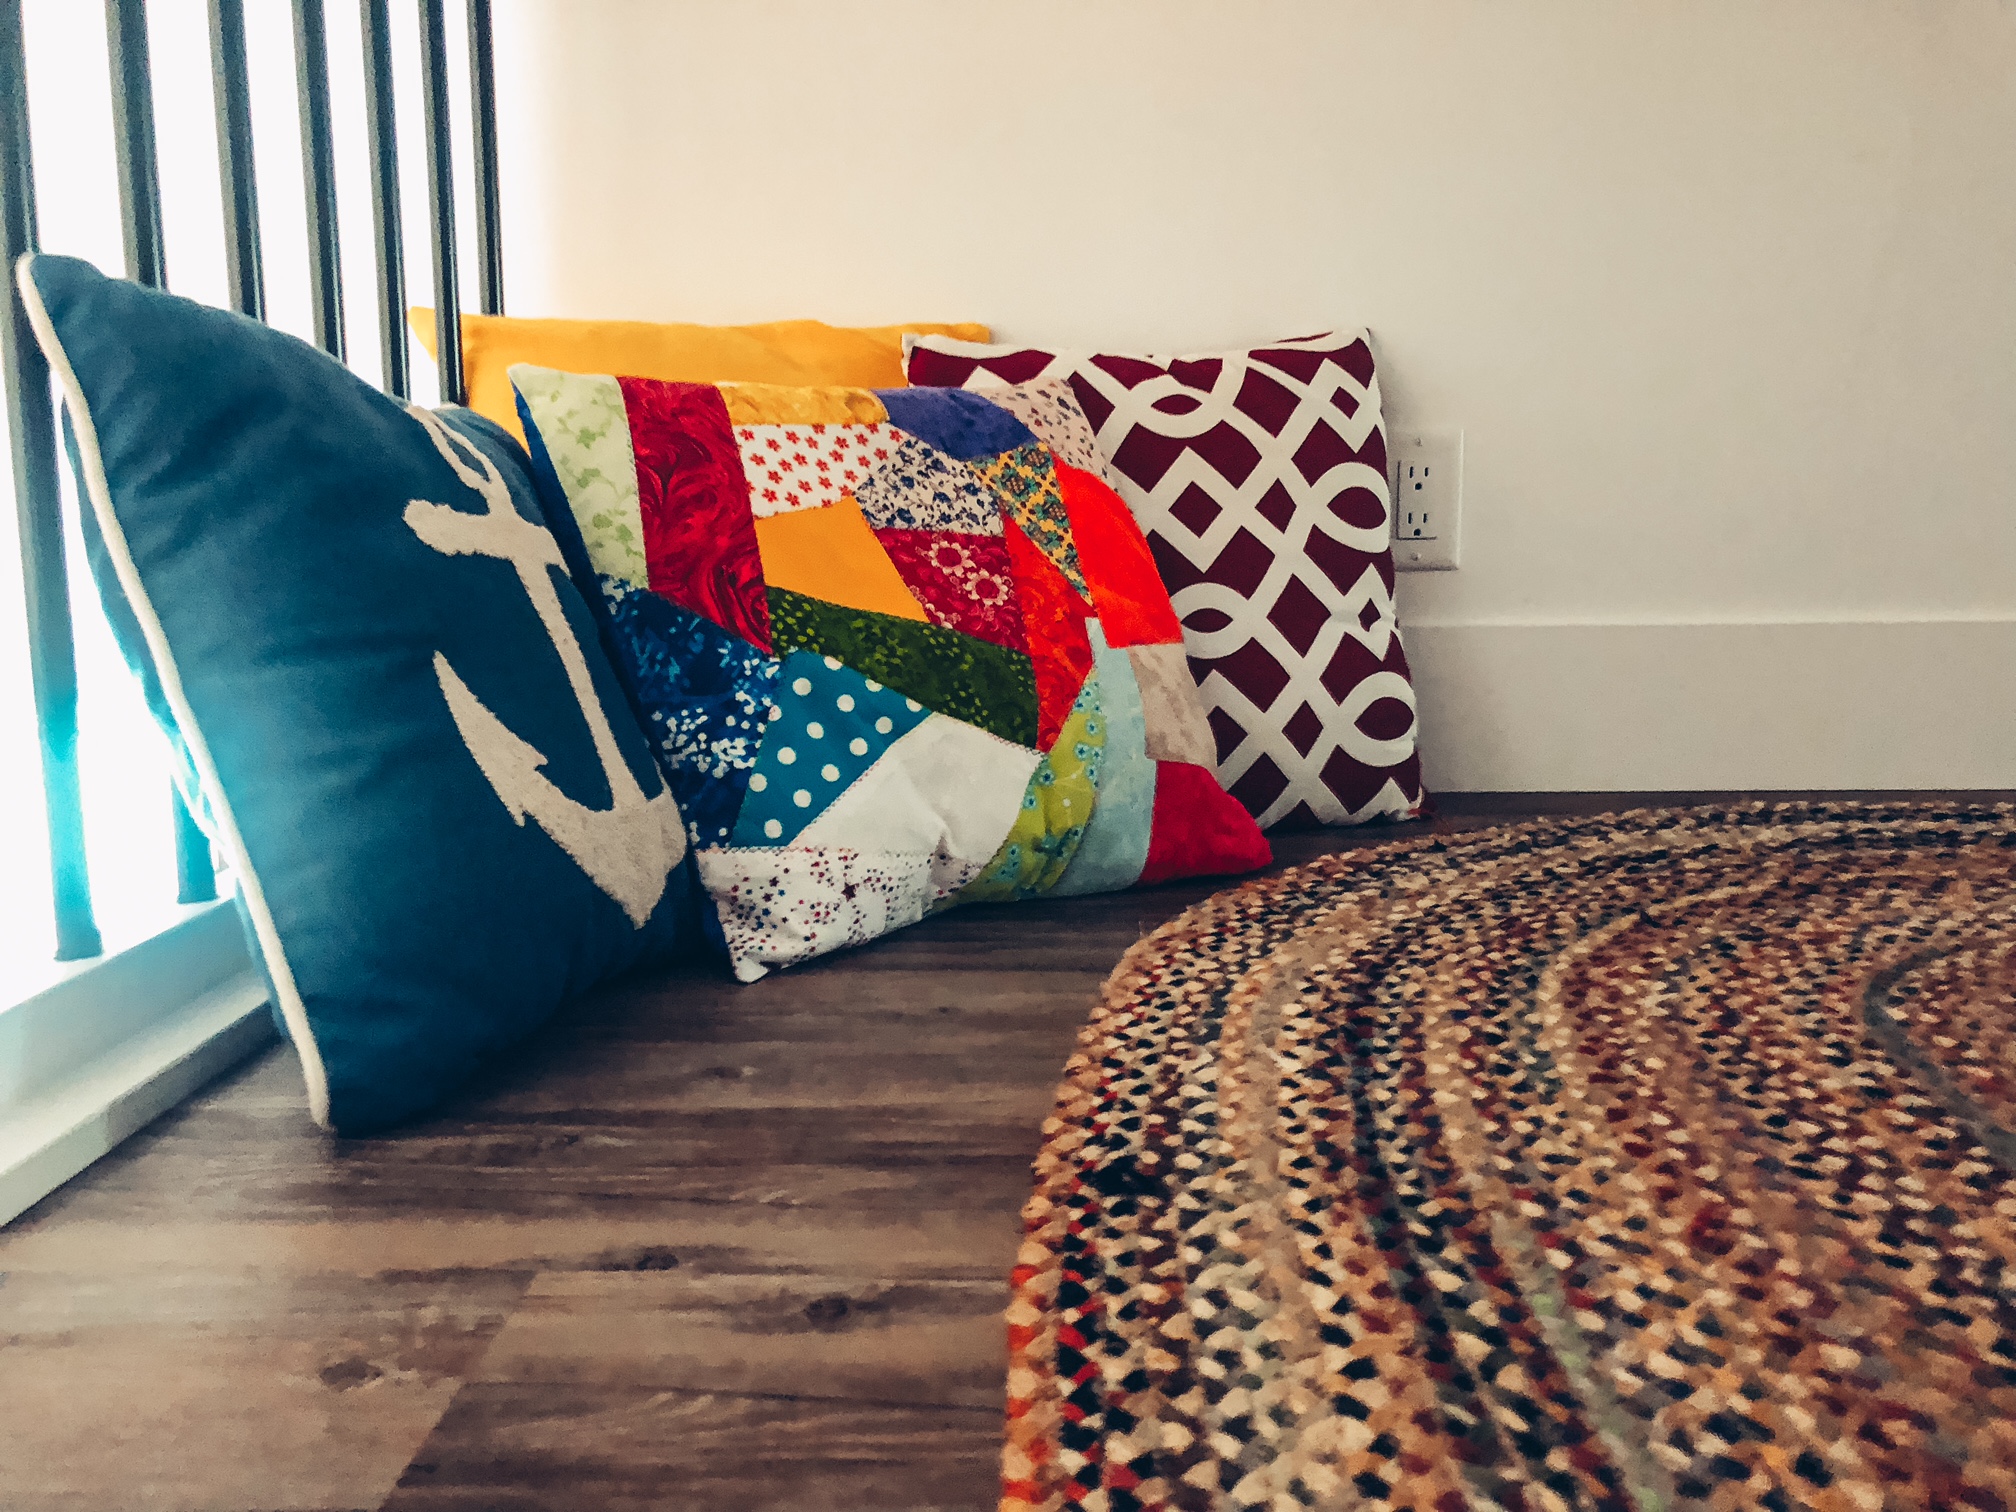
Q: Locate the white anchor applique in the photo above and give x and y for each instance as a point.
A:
(628, 849)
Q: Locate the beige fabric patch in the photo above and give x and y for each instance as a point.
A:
(1170, 708)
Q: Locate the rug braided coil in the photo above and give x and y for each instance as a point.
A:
(1663, 1159)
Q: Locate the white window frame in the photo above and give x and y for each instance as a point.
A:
(116, 1041)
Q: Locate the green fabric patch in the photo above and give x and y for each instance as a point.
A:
(1055, 810)
(947, 672)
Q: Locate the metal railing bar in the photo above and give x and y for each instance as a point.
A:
(483, 104)
(240, 183)
(133, 138)
(31, 430)
(441, 198)
(195, 872)
(382, 130)
(318, 172)
(146, 263)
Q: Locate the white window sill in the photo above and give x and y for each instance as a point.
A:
(99, 1054)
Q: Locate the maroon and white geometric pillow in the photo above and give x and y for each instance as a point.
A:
(1259, 478)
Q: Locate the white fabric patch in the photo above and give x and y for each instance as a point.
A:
(1050, 409)
(1173, 714)
(946, 790)
(793, 467)
(778, 907)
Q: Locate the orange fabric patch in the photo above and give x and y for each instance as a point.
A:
(773, 404)
(1053, 620)
(1113, 554)
(831, 553)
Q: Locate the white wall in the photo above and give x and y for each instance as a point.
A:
(1722, 294)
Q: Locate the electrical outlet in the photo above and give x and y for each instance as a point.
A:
(1427, 479)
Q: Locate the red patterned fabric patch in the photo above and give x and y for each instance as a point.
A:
(1127, 590)
(699, 536)
(1053, 619)
(793, 467)
(1196, 827)
(964, 581)
(1259, 478)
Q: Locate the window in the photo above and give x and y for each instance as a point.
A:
(90, 1050)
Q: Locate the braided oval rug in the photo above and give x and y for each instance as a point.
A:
(1665, 1159)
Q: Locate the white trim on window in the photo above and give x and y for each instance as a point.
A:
(117, 1042)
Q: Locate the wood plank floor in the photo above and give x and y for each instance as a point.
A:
(698, 1246)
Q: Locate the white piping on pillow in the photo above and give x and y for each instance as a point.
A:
(291, 1007)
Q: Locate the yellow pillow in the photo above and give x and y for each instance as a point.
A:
(784, 351)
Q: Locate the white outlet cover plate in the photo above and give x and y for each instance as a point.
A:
(1425, 470)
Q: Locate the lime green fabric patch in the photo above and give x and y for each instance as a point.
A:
(586, 433)
(944, 670)
(1055, 809)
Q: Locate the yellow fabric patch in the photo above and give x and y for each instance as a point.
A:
(771, 404)
(830, 553)
(1056, 807)
(784, 351)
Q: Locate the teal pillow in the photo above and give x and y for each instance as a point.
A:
(352, 619)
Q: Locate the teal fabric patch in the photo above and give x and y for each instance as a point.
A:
(829, 724)
(1115, 846)
(944, 670)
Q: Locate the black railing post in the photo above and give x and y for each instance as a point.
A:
(146, 263)
(318, 169)
(133, 138)
(483, 105)
(441, 198)
(38, 505)
(234, 157)
(382, 130)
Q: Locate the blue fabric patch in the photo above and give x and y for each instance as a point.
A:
(706, 696)
(829, 726)
(377, 643)
(958, 423)
(918, 489)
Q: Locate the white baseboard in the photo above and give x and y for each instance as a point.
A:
(1652, 707)
(116, 1043)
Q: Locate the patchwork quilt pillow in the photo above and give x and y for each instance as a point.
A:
(392, 703)
(1259, 476)
(898, 649)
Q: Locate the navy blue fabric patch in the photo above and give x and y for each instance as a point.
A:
(960, 424)
(706, 696)
(451, 813)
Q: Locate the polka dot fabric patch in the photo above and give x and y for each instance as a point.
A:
(829, 725)
(864, 650)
